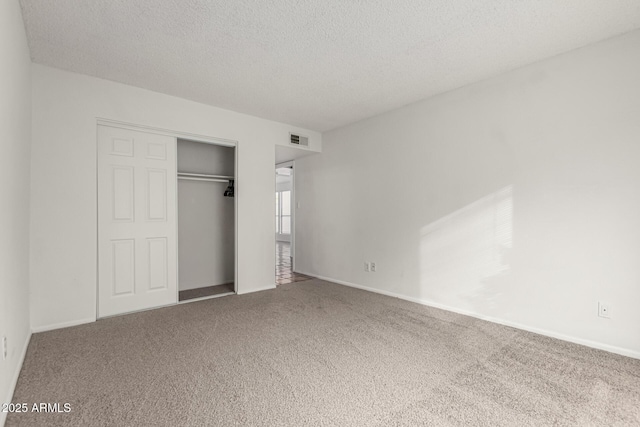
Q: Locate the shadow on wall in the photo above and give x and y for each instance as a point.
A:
(464, 254)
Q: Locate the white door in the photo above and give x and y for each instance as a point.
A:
(136, 220)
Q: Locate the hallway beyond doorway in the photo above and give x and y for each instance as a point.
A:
(284, 271)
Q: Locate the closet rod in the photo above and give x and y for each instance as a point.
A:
(196, 178)
(202, 175)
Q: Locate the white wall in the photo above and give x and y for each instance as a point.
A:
(515, 199)
(63, 221)
(198, 157)
(15, 127)
(206, 253)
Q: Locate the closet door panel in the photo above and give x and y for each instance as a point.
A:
(158, 262)
(136, 221)
(156, 151)
(123, 267)
(156, 195)
(122, 147)
(123, 193)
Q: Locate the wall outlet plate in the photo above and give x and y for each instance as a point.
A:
(604, 310)
(366, 267)
(373, 267)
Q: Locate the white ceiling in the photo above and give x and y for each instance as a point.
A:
(315, 64)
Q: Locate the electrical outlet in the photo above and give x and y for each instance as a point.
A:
(373, 267)
(4, 348)
(604, 310)
(366, 267)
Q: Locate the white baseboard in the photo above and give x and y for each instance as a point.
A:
(593, 344)
(14, 379)
(51, 327)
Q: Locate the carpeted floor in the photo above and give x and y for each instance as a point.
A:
(316, 353)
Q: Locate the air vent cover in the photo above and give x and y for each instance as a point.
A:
(299, 140)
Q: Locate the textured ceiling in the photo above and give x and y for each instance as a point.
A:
(315, 64)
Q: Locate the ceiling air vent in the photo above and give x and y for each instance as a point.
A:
(299, 140)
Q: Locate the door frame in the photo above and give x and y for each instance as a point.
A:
(178, 135)
(291, 164)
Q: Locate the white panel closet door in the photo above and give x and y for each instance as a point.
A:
(136, 221)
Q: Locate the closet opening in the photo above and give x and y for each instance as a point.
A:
(206, 220)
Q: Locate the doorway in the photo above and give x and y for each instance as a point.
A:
(285, 225)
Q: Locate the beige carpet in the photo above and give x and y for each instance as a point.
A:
(316, 353)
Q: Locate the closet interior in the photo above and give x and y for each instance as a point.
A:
(206, 220)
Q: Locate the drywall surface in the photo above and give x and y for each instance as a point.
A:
(205, 235)
(198, 157)
(206, 232)
(15, 127)
(63, 240)
(515, 199)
